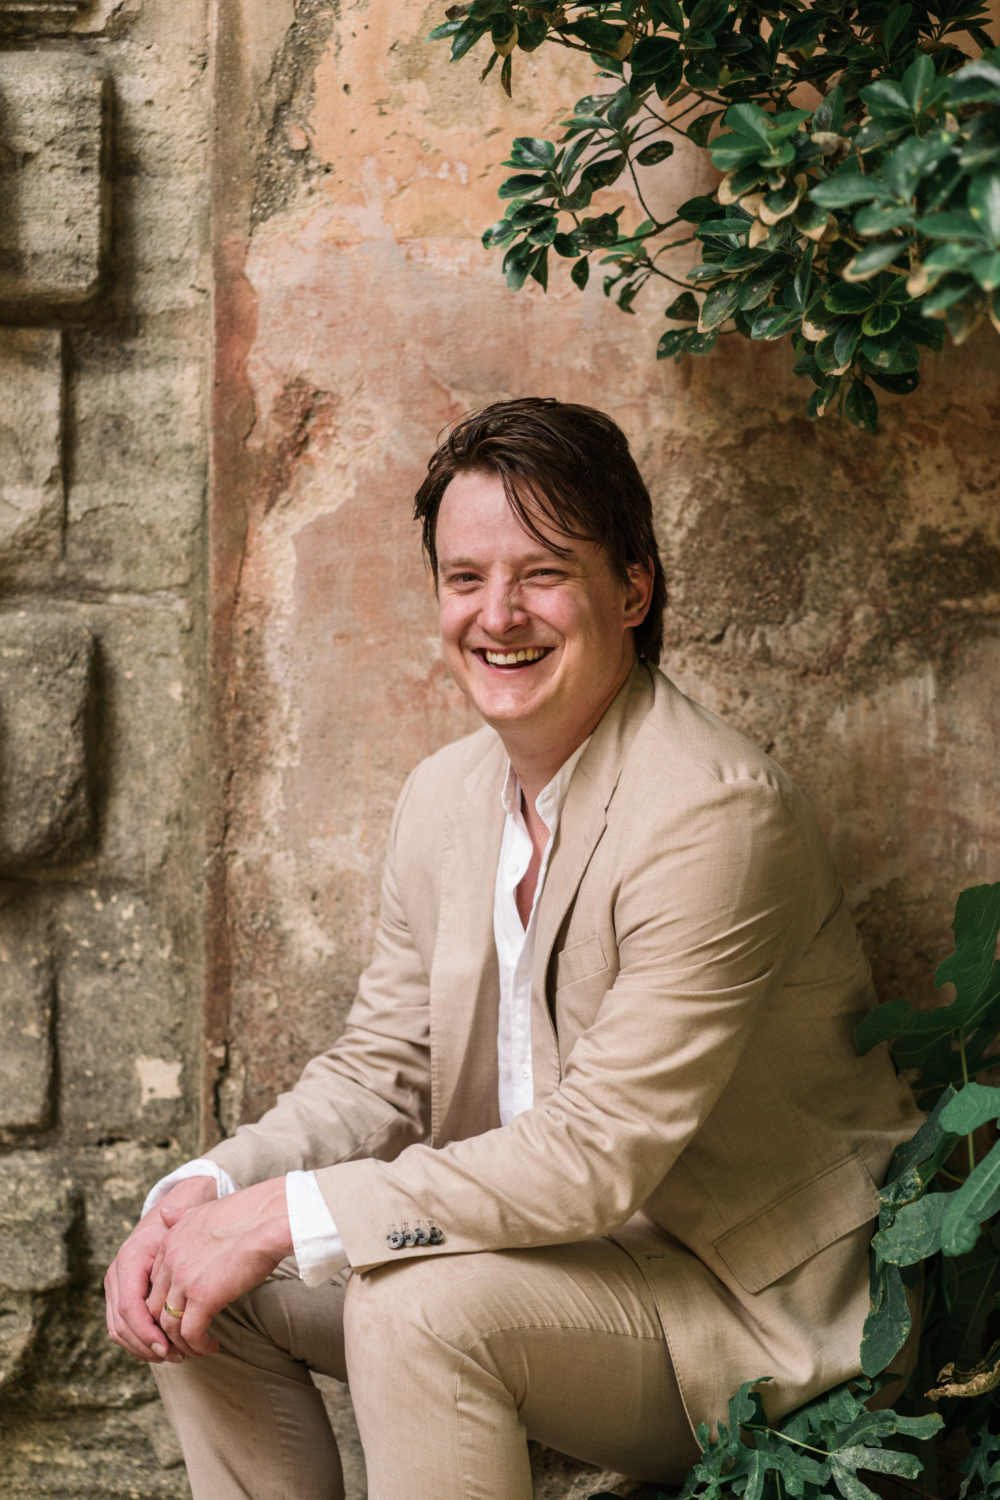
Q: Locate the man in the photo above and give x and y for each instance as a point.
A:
(596, 1145)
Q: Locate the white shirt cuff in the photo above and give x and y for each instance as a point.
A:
(319, 1250)
(200, 1168)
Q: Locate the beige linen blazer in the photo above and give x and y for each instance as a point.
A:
(698, 1095)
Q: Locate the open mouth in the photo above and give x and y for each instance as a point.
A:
(524, 656)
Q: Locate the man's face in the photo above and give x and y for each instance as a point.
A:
(531, 637)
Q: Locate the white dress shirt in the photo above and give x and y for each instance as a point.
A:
(319, 1250)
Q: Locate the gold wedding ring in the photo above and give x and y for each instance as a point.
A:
(175, 1312)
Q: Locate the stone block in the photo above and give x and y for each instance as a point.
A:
(26, 996)
(122, 1003)
(45, 685)
(36, 1211)
(57, 17)
(31, 459)
(54, 118)
(18, 1326)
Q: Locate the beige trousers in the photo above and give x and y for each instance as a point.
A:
(453, 1363)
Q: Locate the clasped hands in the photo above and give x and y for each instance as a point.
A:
(186, 1260)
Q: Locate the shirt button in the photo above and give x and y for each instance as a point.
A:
(512, 867)
(525, 1070)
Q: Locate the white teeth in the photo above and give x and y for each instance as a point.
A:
(511, 658)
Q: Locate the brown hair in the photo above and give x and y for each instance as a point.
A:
(577, 462)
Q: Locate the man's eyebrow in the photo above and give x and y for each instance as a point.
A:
(532, 557)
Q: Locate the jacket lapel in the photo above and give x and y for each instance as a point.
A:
(581, 826)
(464, 980)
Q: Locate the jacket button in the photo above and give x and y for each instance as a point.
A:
(395, 1239)
(435, 1236)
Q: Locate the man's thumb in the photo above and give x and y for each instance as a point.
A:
(171, 1212)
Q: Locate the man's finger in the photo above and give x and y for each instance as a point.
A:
(194, 1326)
(130, 1324)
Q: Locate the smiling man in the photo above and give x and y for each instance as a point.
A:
(595, 1146)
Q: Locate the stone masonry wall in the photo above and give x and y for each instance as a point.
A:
(104, 294)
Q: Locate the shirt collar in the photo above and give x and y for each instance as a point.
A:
(549, 802)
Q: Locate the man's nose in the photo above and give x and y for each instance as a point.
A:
(500, 606)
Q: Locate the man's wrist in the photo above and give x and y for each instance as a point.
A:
(189, 1193)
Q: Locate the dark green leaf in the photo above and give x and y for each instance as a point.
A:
(693, 210)
(915, 1233)
(755, 288)
(531, 34)
(986, 269)
(673, 344)
(847, 299)
(880, 318)
(829, 114)
(895, 26)
(503, 32)
(650, 156)
(719, 304)
(975, 1201)
(466, 37)
(596, 35)
(983, 201)
(528, 151)
(668, 13)
(885, 96)
(520, 185)
(448, 28)
(773, 322)
(917, 80)
(581, 272)
(653, 54)
(875, 258)
(861, 408)
(974, 1106)
(845, 342)
(846, 187)
(498, 234)
(684, 308)
(888, 1323)
(899, 385)
(876, 219)
(975, 927)
(698, 130)
(702, 343)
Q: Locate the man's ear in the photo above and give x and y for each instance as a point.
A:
(639, 593)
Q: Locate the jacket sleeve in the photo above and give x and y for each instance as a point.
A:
(714, 904)
(369, 1095)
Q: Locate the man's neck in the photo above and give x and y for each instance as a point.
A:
(537, 754)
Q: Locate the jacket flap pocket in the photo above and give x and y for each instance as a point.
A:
(579, 961)
(800, 1225)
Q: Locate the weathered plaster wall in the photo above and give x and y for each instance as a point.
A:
(104, 293)
(834, 594)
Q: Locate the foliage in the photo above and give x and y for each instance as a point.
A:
(858, 227)
(816, 1450)
(933, 1223)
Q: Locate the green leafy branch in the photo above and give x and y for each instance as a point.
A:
(860, 228)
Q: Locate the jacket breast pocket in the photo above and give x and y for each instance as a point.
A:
(580, 961)
(799, 1225)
